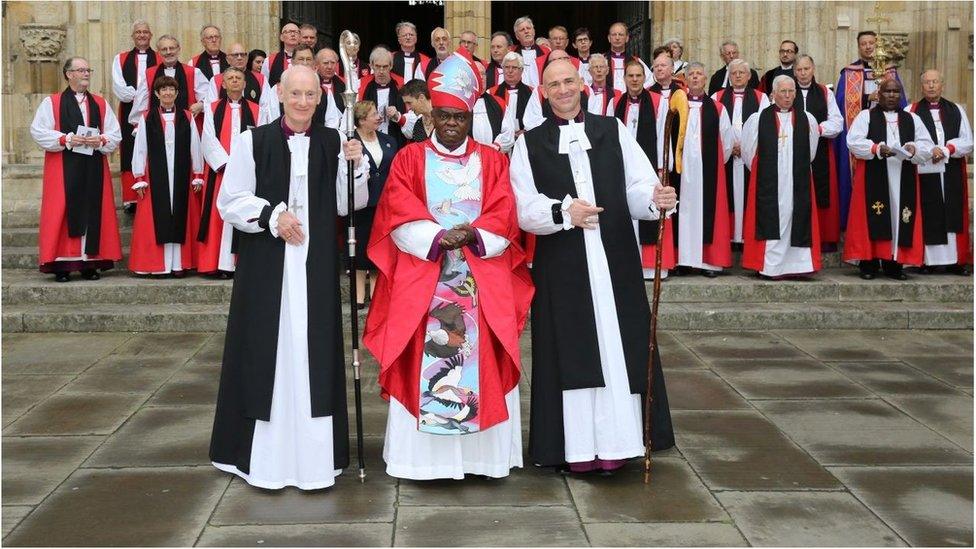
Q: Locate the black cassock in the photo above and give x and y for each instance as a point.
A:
(248, 372)
(565, 350)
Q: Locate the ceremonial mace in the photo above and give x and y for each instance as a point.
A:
(349, 97)
(678, 101)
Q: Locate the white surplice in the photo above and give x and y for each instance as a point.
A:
(410, 453)
(946, 254)
(861, 146)
(481, 128)
(216, 157)
(530, 72)
(47, 136)
(781, 257)
(293, 448)
(124, 92)
(172, 251)
(201, 87)
(691, 218)
(738, 182)
(594, 102)
(266, 95)
(602, 422)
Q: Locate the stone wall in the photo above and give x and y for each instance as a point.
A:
(39, 36)
(936, 35)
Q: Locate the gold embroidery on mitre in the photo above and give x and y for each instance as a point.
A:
(906, 215)
(877, 207)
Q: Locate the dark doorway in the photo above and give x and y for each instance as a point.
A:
(597, 16)
(374, 22)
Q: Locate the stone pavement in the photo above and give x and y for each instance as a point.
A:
(784, 438)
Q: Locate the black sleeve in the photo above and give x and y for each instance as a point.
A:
(265, 217)
(557, 214)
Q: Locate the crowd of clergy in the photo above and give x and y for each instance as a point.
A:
(538, 178)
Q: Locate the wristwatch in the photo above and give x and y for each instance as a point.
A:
(557, 214)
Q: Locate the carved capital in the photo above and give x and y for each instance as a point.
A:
(42, 42)
(895, 45)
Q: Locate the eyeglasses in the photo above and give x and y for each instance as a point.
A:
(236, 55)
(445, 117)
(289, 32)
(82, 71)
(214, 37)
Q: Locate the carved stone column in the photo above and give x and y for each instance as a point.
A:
(43, 45)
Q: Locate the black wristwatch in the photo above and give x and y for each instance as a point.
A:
(557, 214)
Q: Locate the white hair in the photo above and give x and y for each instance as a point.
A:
(510, 56)
(167, 37)
(694, 65)
(598, 57)
(805, 56)
(728, 43)
(402, 24)
(738, 63)
(208, 26)
(781, 79)
(439, 29)
(669, 41)
(521, 20)
(378, 52)
(140, 22)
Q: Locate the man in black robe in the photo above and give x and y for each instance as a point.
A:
(590, 314)
(281, 409)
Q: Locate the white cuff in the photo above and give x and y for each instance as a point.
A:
(139, 185)
(273, 218)
(657, 213)
(67, 141)
(567, 219)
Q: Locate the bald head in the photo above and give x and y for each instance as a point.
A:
(326, 61)
(237, 55)
(557, 69)
(297, 76)
(561, 84)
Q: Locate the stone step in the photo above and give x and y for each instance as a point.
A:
(27, 236)
(839, 285)
(673, 316)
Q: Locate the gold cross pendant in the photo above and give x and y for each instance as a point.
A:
(877, 207)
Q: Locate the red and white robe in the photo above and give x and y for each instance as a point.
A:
(128, 71)
(166, 159)
(780, 231)
(704, 239)
(72, 210)
(884, 220)
(214, 236)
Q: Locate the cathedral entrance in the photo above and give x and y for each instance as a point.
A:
(375, 21)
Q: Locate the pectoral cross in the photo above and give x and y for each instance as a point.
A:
(782, 138)
(295, 207)
(877, 207)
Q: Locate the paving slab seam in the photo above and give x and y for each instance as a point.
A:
(212, 511)
(579, 516)
(70, 381)
(899, 410)
(902, 538)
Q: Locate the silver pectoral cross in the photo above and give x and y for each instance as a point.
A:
(295, 207)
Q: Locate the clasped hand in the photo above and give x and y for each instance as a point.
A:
(290, 228)
(457, 237)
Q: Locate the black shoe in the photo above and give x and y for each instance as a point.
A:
(129, 209)
(62, 276)
(226, 275)
(178, 274)
(896, 275)
(90, 274)
(867, 276)
(709, 274)
(961, 270)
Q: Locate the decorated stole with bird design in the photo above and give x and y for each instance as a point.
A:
(449, 377)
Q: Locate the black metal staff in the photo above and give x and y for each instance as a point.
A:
(652, 345)
(349, 97)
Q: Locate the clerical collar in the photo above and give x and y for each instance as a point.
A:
(599, 89)
(170, 67)
(512, 88)
(290, 132)
(527, 48)
(805, 87)
(584, 59)
(738, 92)
(933, 105)
(695, 97)
(170, 110)
(785, 68)
(560, 121)
(439, 147)
(409, 54)
(633, 100)
(381, 86)
(616, 55)
(214, 57)
(783, 111)
(141, 52)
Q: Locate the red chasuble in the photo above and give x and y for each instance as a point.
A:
(53, 239)
(395, 327)
(211, 227)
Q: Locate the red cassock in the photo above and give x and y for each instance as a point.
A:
(53, 238)
(857, 240)
(145, 255)
(395, 326)
(719, 252)
(668, 257)
(208, 250)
